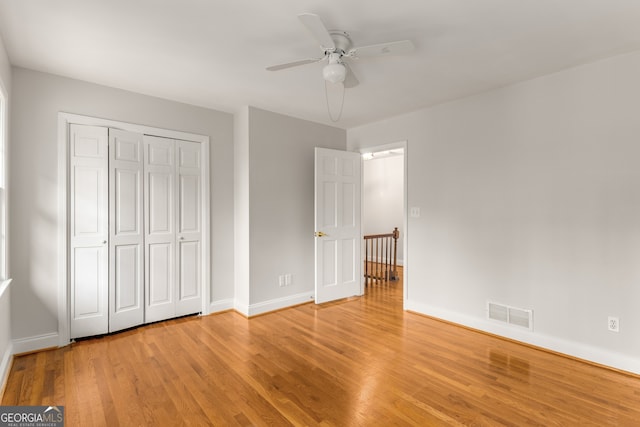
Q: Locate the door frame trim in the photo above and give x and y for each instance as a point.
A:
(64, 120)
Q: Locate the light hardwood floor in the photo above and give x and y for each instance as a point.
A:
(361, 361)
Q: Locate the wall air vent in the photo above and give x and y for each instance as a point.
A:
(498, 312)
(510, 315)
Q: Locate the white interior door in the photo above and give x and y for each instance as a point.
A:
(89, 230)
(189, 228)
(160, 234)
(126, 233)
(337, 224)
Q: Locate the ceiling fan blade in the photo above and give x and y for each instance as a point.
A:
(350, 79)
(318, 30)
(293, 64)
(382, 49)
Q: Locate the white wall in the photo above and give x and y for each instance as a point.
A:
(5, 294)
(383, 197)
(37, 99)
(281, 205)
(530, 196)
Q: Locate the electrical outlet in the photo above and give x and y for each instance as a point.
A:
(613, 324)
(284, 279)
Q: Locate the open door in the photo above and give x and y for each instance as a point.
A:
(337, 225)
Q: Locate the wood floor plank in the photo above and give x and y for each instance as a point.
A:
(361, 361)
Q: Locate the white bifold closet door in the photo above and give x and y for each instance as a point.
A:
(135, 229)
(126, 231)
(89, 230)
(172, 228)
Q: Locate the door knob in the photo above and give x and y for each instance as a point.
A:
(319, 234)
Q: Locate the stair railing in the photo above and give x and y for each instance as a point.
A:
(380, 257)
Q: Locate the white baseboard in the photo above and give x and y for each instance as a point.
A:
(5, 366)
(241, 308)
(221, 305)
(570, 348)
(38, 342)
(277, 304)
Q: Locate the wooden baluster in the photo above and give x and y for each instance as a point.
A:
(373, 260)
(387, 260)
(369, 261)
(385, 273)
(372, 271)
(380, 246)
(366, 257)
(396, 235)
(380, 259)
(369, 252)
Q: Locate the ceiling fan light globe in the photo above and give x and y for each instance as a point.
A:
(334, 73)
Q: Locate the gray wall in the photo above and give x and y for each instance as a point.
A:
(37, 99)
(281, 201)
(241, 210)
(5, 308)
(530, 196)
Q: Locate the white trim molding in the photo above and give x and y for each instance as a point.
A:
(35, 343)
(221, 305)
(4, 285)
(569, 348)
(64, 120)
(5, 367)
(274, 304)
(6, 358)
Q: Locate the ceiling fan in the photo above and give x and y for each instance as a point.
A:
(337, 47)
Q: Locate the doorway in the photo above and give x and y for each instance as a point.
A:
(384, 197)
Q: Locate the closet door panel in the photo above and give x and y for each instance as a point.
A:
(127, 203)
(189, 264)
(88, 203)
(160, 203)
(88, 275)
(160, 238)
(126, 245)
(189, 232)
(127, 282)
(189, 206)
(160, 299)
(88, 191)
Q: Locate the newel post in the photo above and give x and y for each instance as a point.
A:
(396, 235)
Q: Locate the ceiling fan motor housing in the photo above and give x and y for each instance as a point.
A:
(335, 71)
(342, 41)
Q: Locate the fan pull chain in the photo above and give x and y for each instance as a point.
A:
(326, 96)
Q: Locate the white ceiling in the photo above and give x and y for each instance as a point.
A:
(213, 53)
